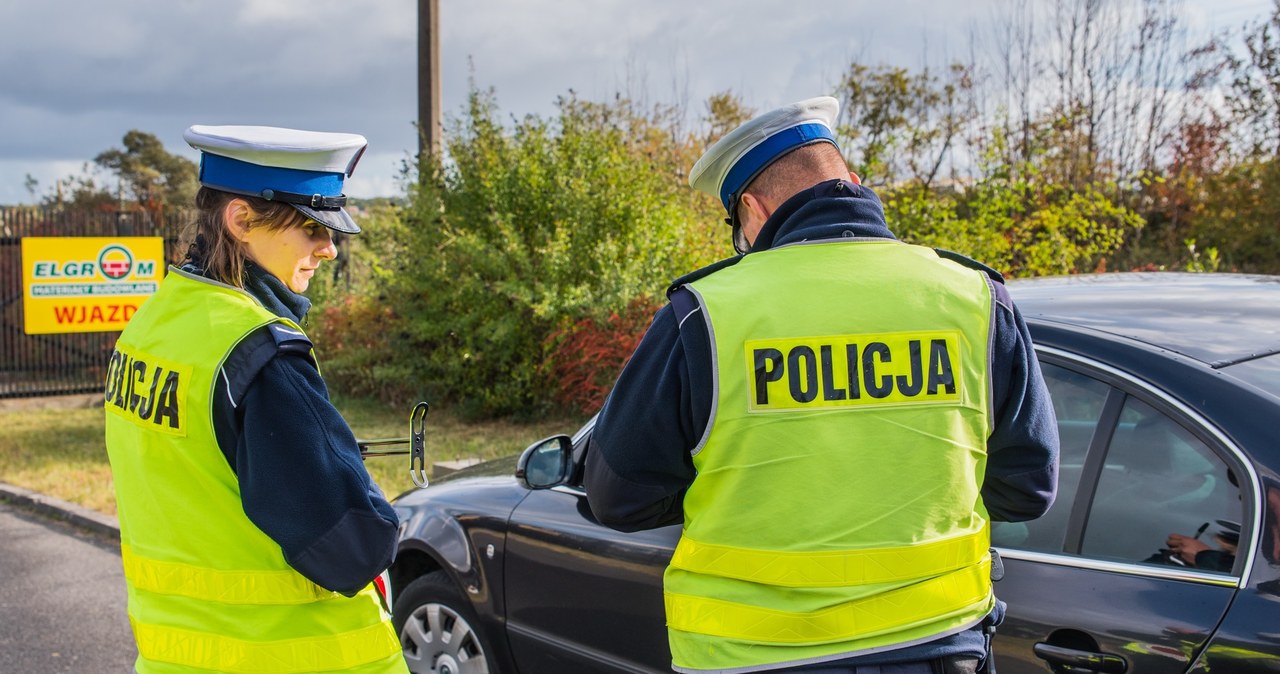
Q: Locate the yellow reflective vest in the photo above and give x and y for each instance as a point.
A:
(836, 509)
(208, 590)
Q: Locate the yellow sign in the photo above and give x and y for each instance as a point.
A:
(853, 371)
(87, 284)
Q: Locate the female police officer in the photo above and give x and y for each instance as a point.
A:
(250, 530)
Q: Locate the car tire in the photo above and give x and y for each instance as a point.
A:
(439, 630)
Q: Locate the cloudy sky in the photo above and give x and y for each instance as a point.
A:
(75, 75)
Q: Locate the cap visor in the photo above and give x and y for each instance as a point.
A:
(333, 218)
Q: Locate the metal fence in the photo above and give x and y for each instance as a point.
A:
(40, 365)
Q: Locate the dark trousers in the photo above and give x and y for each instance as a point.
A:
(939, 666)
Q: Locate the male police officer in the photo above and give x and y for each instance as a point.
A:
(835, 416)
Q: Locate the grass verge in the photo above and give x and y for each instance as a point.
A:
(58, 450)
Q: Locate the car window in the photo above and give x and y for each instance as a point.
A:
(1077, 401)
(1159, 479)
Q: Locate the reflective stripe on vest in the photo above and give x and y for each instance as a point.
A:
(295, 656)
(226, 587)
(953, 593)
(829, 569)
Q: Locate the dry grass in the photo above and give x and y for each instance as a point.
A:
(56, 449)
(446, 438)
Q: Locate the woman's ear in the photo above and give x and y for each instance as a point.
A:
(237, 214)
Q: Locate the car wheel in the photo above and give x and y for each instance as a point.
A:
(437, 628)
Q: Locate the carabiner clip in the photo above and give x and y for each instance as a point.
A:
(417, 445)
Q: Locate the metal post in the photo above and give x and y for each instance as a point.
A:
(429, 128)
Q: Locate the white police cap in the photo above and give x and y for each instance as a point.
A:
(305, 169)
(735, 160)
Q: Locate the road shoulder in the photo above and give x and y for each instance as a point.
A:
(56, 508)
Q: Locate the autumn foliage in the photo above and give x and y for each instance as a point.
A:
(354, 336)
(586, 357)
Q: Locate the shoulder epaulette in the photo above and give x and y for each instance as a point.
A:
(702, 273)
(289, 339)
(683, 303)
(970, 263)
(253, 353)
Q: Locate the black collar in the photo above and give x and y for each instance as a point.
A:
(830, 209)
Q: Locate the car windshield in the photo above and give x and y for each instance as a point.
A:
(1261, 372)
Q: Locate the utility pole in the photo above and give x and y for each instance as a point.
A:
(429, 129)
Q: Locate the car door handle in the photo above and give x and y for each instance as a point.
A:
(1074, 661)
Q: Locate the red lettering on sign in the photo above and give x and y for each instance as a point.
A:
(66, 314)
(110, 313)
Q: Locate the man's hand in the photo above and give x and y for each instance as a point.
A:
(1185, 547)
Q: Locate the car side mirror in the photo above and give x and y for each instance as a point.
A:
(545, 463)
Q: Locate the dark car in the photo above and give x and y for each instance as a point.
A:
(1167, 391)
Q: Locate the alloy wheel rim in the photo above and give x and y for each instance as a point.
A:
(438, 640)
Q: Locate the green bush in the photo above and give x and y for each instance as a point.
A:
(1015, 221)
(524, 231)
(1240, 217)
(518, 275)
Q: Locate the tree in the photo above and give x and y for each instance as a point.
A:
(150, 175)
(78, 191)
(1255, 88)
(900, 126)
(1101, 76)
(725, 112)
(147, 177)
(1239, 213)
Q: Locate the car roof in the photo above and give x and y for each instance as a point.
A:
(1215, 318)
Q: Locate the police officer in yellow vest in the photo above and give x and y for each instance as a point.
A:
(835, 416)
(250, 530)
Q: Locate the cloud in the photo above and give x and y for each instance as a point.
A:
(89, 71)
(80, 73)
(169, 64)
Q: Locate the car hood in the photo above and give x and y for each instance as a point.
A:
(500, 470)
(505, 465)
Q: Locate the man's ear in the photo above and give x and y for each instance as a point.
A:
(755, 204)
(236, 214)
(761, 211)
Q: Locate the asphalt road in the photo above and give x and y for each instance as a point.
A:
(62, 599)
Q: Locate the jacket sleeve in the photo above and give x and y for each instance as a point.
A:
(639, 463)
(301, 477)
(1022, 451)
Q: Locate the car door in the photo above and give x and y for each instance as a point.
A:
(582, 597)
(1087, 584)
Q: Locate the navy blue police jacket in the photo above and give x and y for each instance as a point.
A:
(639, 464)
(302, 480)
